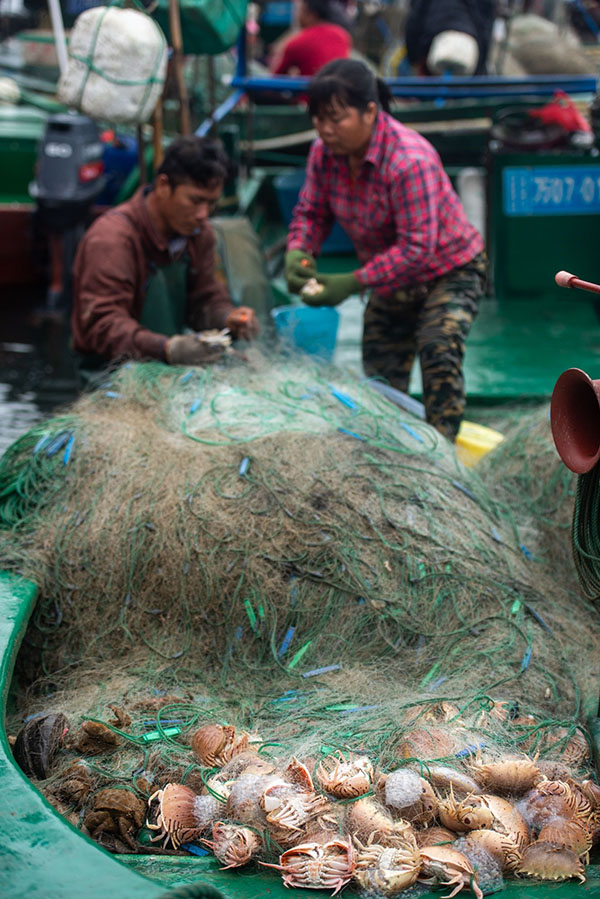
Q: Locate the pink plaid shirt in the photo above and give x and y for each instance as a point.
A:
(401, 213)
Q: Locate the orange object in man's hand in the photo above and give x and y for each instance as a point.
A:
(243, 323)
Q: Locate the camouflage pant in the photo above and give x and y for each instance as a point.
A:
(433, 320)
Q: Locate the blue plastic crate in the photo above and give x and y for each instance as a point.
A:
(312, 329)
(288, 188)
(277, 13)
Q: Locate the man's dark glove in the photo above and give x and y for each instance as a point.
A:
(186, 349)
(299, 267)
(335, 289)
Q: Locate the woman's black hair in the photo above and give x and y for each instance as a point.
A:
(201, 160)
(329, 11)
(351, 83)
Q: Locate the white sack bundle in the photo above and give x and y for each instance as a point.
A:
(117, 65)
(542, 48)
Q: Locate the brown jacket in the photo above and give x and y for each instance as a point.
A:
(109, 275)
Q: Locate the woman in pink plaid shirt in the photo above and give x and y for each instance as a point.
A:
(421, 261)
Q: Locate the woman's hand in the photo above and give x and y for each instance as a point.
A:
(299, 268)
(335, 289)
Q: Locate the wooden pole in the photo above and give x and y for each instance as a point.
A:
(212, 86)
(59, 35)
(177, 44)
(142, 155)
(157, 122)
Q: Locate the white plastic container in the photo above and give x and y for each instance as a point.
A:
(470, 186)
(117, 65)
(453, 51)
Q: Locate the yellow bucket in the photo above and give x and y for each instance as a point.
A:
(474, 441)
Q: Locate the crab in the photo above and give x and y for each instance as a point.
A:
(500, 847)
(312, 288)
(243, 801)
(409, 794)
(431, 836)
(95, 738)
(422, 812)
(115, 811)
(215, 744)
(316, 866)
(345, 779)
(571, 748)
(427, 743)
(75, 784)
(549, 861)
(570, 834)
(468, 814)
(37, 743)
(448, 867)
(182, 815)
(508, 821)
(287, 811)
(298, 774)
(486, 811)
(443, 777)
(556, 798)
(367, 820)
(233, 844)
(506, 775)
(386, 870)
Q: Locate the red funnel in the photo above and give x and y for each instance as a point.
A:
(575, 420)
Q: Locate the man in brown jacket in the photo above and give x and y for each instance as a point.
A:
(145, 270)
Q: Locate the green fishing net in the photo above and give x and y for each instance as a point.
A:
(272, 544)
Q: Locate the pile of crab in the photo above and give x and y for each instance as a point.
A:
(339, 820)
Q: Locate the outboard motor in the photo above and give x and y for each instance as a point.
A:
(69, 177)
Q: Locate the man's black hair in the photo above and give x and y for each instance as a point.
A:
(201, 160)
(351, 83)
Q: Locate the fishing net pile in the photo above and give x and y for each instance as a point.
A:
(527, 475)
(319, 636)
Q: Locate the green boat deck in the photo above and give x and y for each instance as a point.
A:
(519, 347)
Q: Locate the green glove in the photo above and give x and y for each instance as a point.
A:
(335, 289)
(299, 267)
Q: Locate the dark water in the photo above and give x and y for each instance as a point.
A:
(37, 376)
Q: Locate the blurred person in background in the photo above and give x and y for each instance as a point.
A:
(323, 36)
(449, 36)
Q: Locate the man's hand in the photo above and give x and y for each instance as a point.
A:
(335, 289)
(299, 267)
(186, 349)
(243, 323)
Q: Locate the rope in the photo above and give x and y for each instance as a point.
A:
(585, 532)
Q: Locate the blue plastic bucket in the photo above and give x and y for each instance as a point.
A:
(312, 329)
(287, 187)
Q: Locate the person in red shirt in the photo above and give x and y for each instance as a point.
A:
(420, 258)
(323, 37)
